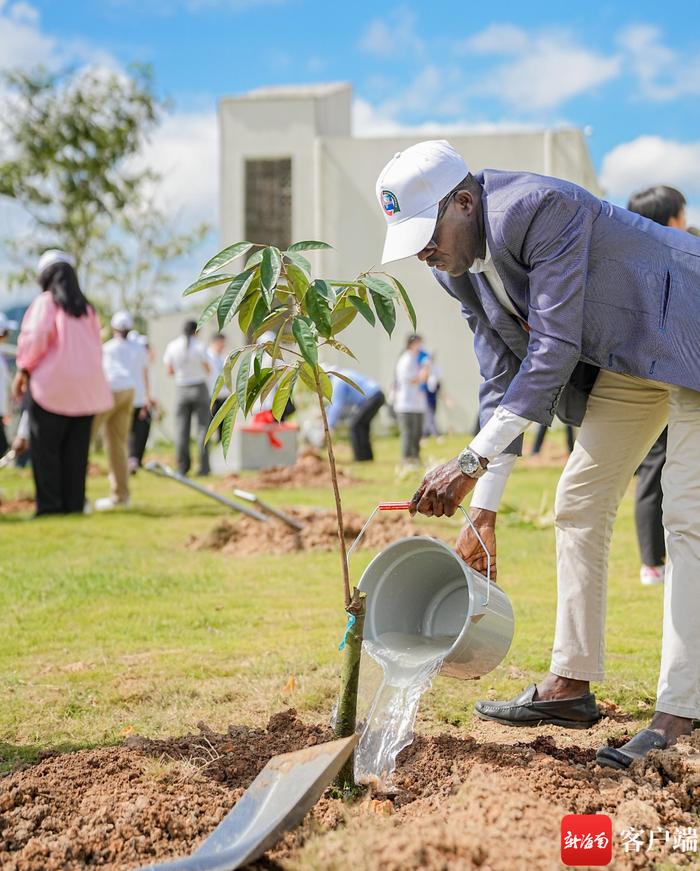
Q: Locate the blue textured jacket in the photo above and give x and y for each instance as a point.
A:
(598, 287)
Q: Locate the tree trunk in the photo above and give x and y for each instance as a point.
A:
(346, 716)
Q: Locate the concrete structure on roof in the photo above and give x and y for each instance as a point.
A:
(292, 169)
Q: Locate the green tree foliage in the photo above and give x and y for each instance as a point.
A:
(72, 143)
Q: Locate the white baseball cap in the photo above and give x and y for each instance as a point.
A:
(121, 321)
(409, 190)
(53, 255)
(6, 324)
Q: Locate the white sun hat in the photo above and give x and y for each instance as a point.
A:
(409, 190)
(122, 320)
(53, 255)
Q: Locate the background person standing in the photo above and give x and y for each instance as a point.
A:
(185, 359)
(119, 360)
(59, 361)
(143, 402)
(359, 408)
(666, 206)
(410, 400)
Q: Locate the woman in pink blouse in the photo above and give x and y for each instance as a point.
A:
(59, 360)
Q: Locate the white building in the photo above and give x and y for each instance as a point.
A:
(291, 169)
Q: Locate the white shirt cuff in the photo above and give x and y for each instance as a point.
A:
(488, 490)
(503, 427)
(23, 426)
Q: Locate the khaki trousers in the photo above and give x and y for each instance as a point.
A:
(624, 417)
(117, 423)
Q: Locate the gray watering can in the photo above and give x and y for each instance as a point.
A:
(419, 586)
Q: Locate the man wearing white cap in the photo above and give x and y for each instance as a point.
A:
(6, 326)
(119, 360)
(584, 309)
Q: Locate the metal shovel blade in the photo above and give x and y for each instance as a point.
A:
(275, 802)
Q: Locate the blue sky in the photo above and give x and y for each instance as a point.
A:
(628, 72)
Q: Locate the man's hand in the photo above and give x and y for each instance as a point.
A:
(442, 490)
(468, 545)
(20, 446)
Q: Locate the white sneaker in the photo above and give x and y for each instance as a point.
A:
(652, 576)
(87, 507)
(109, 504)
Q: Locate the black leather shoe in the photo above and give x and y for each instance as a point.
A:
(526, 710)
(635, 748)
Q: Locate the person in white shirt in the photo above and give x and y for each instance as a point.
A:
(143, 403)
(5, 327)
(186, 361)
(409, 399)
(118, 361)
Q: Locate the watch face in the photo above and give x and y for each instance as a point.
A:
(468, 463)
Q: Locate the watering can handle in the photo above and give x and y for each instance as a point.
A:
(404, 506)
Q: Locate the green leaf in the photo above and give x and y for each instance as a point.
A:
(207, 281)
(298, 282)
(247, 309)
(227, 432)
(229, 406)
(326, 385)
(347, 380)
(256, 386)
(343, 315)
(306, 340)
(298, 260)
(270, 321)
(308, 246)
(269, 386)
(242, 378)
(259, 314)
(284, 391)
(217, 388)
(229, 363)
(363, 309)
(208, 312)
(306, 373)
(317, 307)
(254, 259)
(223, 258)
(325, 289)
(385, 310)
(379, 286)
(270, 268)
(406, 301)
(233, 296)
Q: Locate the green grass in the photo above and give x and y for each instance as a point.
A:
(110, 624)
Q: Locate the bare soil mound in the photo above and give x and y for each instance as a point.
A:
(461, 802)
(310, 470)
(246, 536)
(22, 502)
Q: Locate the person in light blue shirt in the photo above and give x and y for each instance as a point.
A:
(359, 408)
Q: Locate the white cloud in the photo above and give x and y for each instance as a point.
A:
(393, 36)
(663, 74)
(650, 160)
(22, 43)
(542, 70)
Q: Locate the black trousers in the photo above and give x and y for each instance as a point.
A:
(4, 444)
(647, 504)
(138, 435)
(60, 446)
(359, 426)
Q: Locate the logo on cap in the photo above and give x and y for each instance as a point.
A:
(390, 203)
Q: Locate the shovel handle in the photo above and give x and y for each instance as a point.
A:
(404, 506)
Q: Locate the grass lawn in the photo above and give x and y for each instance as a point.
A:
(111, 625)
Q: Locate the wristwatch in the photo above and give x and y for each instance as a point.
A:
(470, 464)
